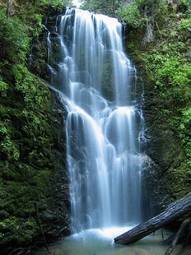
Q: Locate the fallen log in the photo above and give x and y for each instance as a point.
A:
(180, 209)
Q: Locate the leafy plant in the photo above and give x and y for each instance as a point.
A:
(3, 86)
(7, 146)
(130, 13)
(13, 39)
(185, 24)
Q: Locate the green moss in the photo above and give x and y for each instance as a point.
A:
(26, 128)
(18, 231)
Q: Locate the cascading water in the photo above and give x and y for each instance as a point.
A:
(89, 66)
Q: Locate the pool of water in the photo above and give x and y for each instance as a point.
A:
(100, 242)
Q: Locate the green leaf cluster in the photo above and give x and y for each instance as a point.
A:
(14, 39)
(31, 87)
(130, 13)
(18, 231)
(108, 7)
(138, 12)
(56, 3)
(185, 24)
(7, 145)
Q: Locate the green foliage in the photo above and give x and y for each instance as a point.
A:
(187, 116)
(185, 24)
(55, 3)
(186, 3)
(26, 137)
(13, 39)
(130, 13)
(108, 7)
(33, 90)
(185, 127)
(7, 146)
(38, 20)
(13, 229)
(166, 62)
(3, 86)
(138, 12)
(169, 70)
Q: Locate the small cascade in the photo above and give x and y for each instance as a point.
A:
(96, 79)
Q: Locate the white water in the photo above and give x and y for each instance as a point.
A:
(103, 126)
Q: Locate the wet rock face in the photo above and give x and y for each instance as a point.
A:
(38, 59)
(161, 148)
(56, 218)
(163, 152)
(39, 56)
(159, 145)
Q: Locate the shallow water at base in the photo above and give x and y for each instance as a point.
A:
(100, 242)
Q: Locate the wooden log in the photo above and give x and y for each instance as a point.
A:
(177, 210)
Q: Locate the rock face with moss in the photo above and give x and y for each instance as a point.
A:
(164, 65)
(34, 206)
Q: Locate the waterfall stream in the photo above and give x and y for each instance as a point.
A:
(97, 84)
(104, 124)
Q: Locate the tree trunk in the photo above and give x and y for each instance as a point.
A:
(10, 8)
(178, 210)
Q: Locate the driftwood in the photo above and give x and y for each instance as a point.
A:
(180, 209)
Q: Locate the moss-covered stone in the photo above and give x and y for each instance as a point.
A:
(33, 202)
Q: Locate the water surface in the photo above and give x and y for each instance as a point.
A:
(100, 242)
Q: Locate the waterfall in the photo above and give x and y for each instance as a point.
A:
(103, 126)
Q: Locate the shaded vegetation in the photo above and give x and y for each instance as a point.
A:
(28, 135)
(108, 7)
